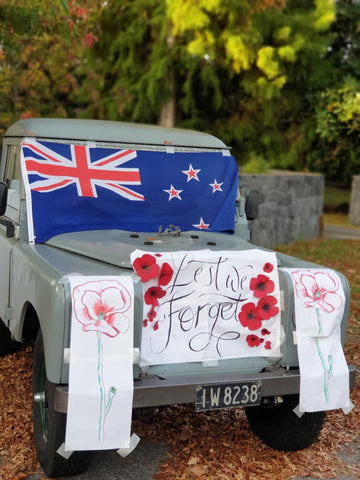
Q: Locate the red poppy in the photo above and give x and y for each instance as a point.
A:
(267, 345)
(156, 326)
(266, 308)
(249, 316)
(152, 294)
(261, 285)
(253, 340)
(146, 267)
(268, 267)
(265, 331)
(152, 314)
(166, 273)
(145, 322)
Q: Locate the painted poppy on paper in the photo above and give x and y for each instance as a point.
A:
(146, 267)
(152, 314)
(266, 308)
(267, 345)
(152, 294)
(268, 267)
(166, 273)
(100, 306)
(249, 316)
(317, 290)
(261, 285)
(253, 340)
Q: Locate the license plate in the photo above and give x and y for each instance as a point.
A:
(216, 397)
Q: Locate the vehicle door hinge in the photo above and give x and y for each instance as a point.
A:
(9, 315)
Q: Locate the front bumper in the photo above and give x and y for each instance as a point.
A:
(154, 391)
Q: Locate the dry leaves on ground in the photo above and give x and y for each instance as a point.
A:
(17, 455)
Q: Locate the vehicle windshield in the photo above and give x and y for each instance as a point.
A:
(72, 187)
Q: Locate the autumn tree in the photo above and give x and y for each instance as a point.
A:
(42, 46)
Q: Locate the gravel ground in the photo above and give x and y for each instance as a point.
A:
(143, 463)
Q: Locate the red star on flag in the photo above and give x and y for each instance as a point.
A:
(191, 173)
(216, 186)
(173, 193)
(202, 225)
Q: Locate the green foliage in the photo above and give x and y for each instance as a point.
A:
(256, 164)
(337, 116)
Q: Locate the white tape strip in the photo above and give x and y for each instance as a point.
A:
(136, 356)
(282, 301)
(67, 355)
(210, 363)
(63, 452)
(282, 335)
(66, 278)
(91, 144)
(348, 409)
(170, 150)
(296, 337)
(134, 441)
(226, 153)
(29, 140)
(297, 410)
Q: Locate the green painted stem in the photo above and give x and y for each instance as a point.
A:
(326, 393)
(327, 370)
(112, 393)
(318, 319)
(102, 390)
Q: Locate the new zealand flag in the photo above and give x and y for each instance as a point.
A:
(73, 188)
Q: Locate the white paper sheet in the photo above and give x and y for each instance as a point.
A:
(101, 363)
(319, 301)
(206, 305)
(324, 375)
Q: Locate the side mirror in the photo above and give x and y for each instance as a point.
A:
(3, 198)
(253, 200)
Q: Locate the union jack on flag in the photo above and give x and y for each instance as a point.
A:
(57, 172)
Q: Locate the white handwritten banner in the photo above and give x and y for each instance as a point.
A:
(101, 366)
(319, 309)
(206, 305)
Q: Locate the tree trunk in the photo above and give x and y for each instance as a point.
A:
(168, 110)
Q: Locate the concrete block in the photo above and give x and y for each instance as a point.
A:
(291, 208)
(354, 213)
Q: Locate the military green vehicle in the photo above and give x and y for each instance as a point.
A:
(43, 243)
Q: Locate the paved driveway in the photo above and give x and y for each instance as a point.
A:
(333, 231)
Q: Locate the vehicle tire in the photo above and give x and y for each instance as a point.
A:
(49, 425)
(280, 428)
(7, 344)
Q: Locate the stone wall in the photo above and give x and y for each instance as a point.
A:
(354, 213)
(291, 206)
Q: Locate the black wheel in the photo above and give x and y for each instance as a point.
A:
(49, 425)
(7, 344)
(280, 428)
